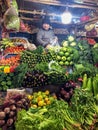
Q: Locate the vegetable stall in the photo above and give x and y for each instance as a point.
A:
(53, 88)
(61, 79)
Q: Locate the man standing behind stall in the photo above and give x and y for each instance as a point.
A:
(45, 35)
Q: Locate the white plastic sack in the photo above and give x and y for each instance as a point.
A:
(11, 19)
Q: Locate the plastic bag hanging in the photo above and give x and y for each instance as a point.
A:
(11, 19)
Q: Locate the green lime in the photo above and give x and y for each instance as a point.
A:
(66, 63)
(61, 63)
(64, 49)
(69, 58)
(71, 55)
(63, 58)
(67, 54)
(70, 50)
(58, 58)
(71, 63)
(61, 53)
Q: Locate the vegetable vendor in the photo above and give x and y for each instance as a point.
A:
(45, 35)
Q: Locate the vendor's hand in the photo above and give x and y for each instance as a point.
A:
(25, 46)
(48, 46)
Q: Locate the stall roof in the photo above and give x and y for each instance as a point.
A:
(32, 10)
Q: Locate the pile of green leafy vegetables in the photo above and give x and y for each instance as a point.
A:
(59, 115)
(54, 117)
(80, 69)
(54, 72)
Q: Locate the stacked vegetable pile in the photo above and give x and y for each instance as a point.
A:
(41, 98)
(12, 61)
(85, 52)
(30, 58)
(85, 108)
(70, 41)
(81, 115)
(8, 110)
(67, 91)
(45, 74)
(83, 46)
(6, 81)
(91, 84)
(6, 42)
(35, 79)
(12, 77)
(37, 56)
(19, 75)
(80, 69)
(66, 56)
(14, 50)
(19, 40)
(91, 41)
(95, 53)
(7, 69)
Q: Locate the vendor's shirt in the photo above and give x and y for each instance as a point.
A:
(44, 37)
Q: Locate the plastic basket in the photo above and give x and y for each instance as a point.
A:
(9, 56)
(19, 40)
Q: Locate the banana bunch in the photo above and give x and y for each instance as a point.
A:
(6, 42)
(89, 27)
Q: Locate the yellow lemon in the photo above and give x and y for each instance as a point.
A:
(47, 92)
(34, 105)
(30, 97)
(41, 103)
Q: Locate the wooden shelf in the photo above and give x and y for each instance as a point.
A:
(88, 36)
(92, 36)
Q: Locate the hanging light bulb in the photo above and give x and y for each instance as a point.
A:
(66, 17)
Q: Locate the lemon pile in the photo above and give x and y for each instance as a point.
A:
(40, 99)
